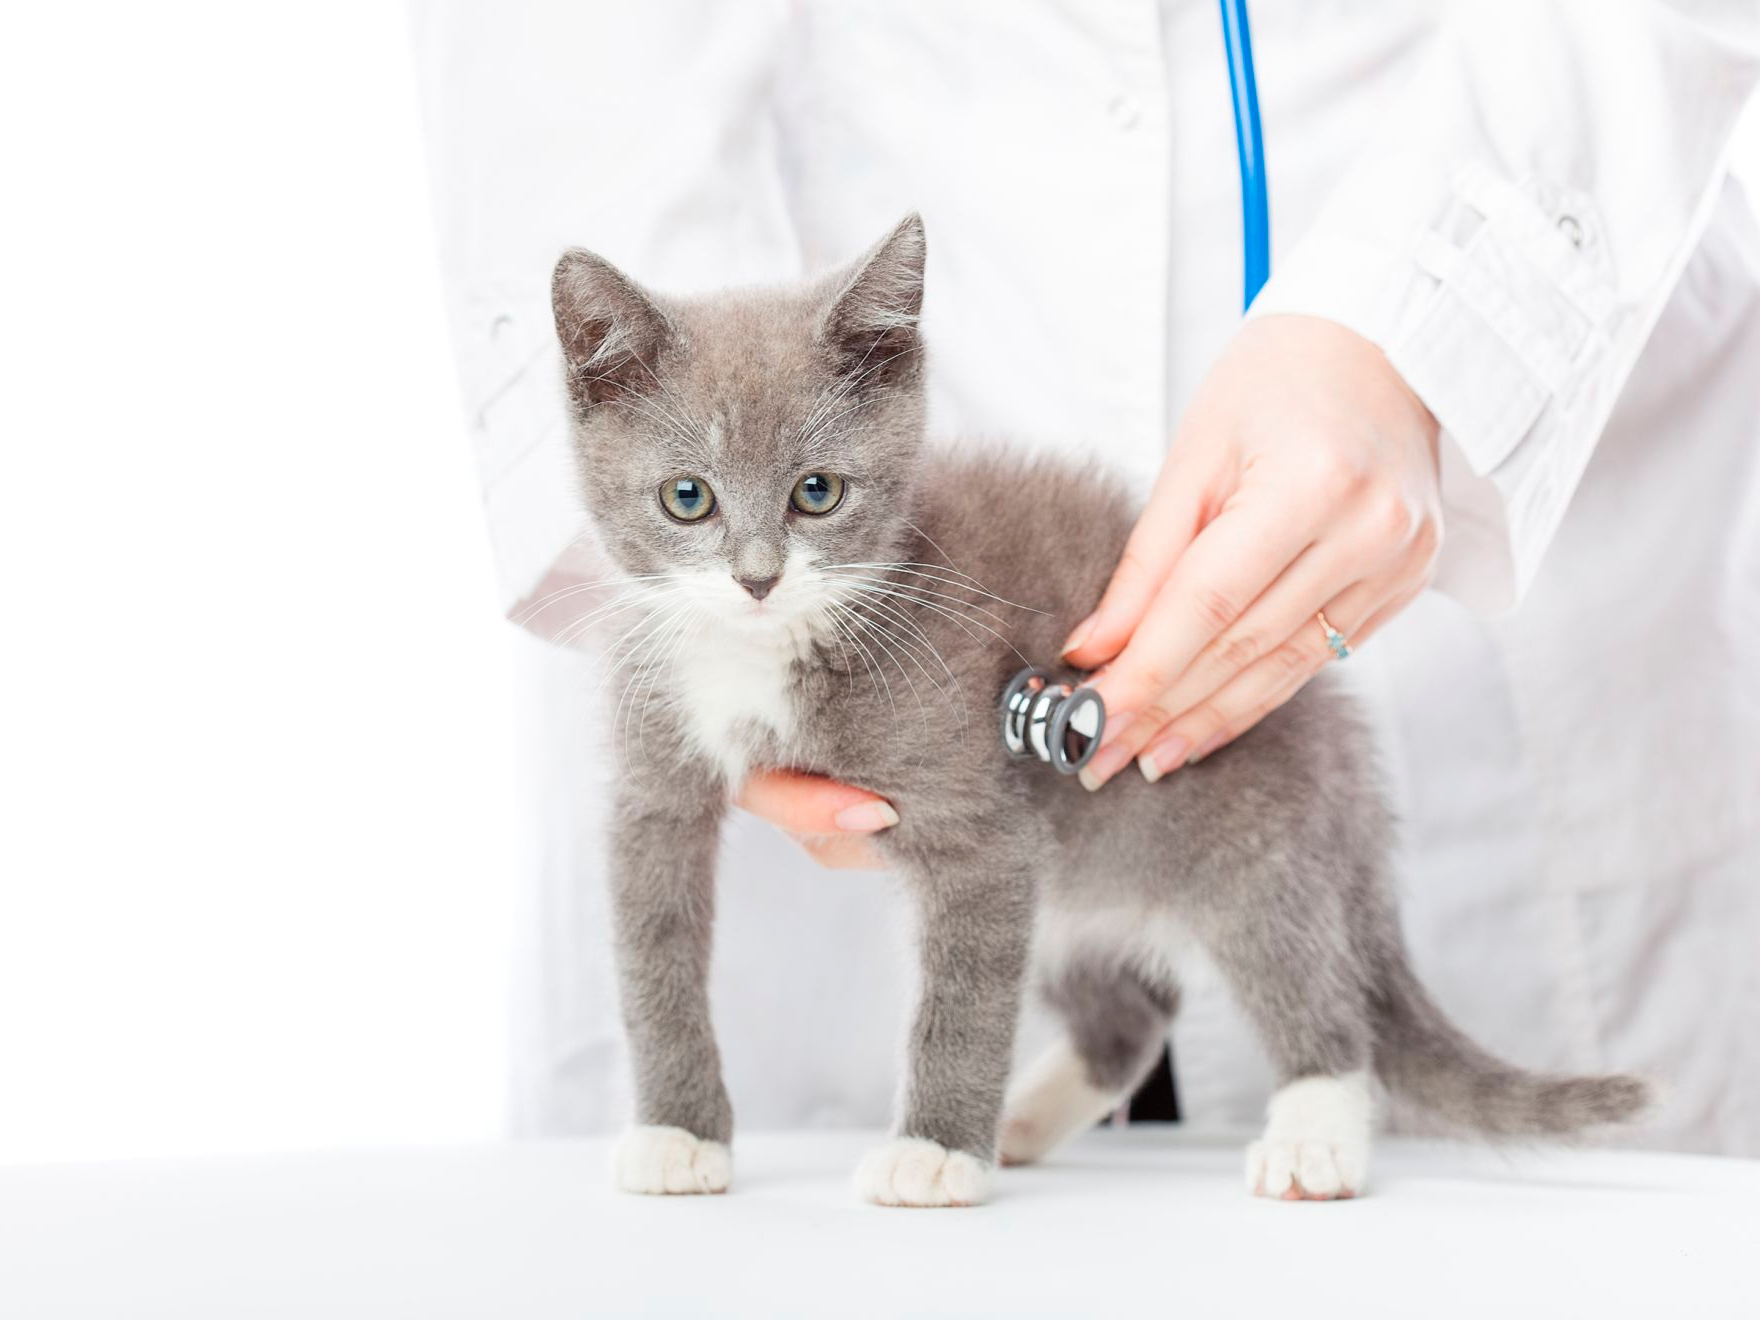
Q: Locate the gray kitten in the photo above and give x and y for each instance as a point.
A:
(814, 587)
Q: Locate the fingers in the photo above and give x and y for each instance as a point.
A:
(833, 822)
(811, 804)
(1321, 572)
(1266, 684)
(1357, 573)
(1223, 572)
(1167, 525)
(844, 852)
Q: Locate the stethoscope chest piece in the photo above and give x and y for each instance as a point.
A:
(1046, 719)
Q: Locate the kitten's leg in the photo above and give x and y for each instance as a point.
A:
(975, 913)
(1294, 971)
(663, 911)
(1117, 1024)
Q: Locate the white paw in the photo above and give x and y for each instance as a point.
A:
(1022, 1141)
(1305, 1170)
(663, 1161)
(1316, 1142)
(912, 1171)
(1053, 1099)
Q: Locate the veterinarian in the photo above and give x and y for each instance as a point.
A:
(1495, 417)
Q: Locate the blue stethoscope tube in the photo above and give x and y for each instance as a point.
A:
(1237, 38)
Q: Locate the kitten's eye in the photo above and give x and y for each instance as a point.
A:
(817, 492)
(687, 499)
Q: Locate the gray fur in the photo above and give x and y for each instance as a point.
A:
(1272, 853)
(1117, 1018)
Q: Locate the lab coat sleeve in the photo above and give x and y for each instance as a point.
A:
(643, 132)
(1511, 233)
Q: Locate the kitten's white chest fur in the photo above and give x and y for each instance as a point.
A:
(733, 687)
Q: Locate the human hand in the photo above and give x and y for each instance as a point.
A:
(834, 822)
(1303, 479)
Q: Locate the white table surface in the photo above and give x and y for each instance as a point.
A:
(1132, 1223)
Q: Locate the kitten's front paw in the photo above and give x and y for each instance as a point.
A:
(1316, 1144)
(912, 1171)
(668, 1161)
(1304, 1170)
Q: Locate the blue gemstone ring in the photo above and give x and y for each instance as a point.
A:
(1335, 639)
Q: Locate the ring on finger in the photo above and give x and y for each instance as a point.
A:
(1340, 644)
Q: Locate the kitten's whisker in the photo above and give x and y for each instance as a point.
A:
(957, 620)
(842, 650)
(628, 644)
(891, 616)
(886, 642)
(969, 584)
(924, 593)
(654, 647)
(936, 547)
(894, 612)
(878, 598)
(879, 671)
(575, 588)
(681, 635)
(625, 648)
(651, 648)
(965, 579)
(841, 635)
(942, 609)
(577, 628)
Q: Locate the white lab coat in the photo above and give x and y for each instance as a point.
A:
(1524, 204)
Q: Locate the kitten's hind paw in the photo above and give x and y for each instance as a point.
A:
(1051, 1101)
(668, 1161)
(912, 1171)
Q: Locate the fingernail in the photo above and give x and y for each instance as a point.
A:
(1216, 740)
(865, 818)
(1107, 762)
(1158, 760)
(1077, 637)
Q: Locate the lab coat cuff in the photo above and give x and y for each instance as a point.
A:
(536, 527)
(1492, 301)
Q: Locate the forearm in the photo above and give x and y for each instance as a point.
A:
(1512, 233)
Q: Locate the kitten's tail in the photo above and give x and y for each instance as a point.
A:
(1423, 1057)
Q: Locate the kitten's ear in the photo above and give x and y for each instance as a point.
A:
(611, 331)
(870, 327)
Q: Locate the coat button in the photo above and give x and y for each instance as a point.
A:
(1124, 112)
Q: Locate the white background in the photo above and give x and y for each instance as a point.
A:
(260, 812)
(259, 839)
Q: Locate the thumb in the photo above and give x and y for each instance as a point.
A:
(1164, 529)
(812, 804)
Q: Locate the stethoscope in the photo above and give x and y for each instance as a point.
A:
(1043, 716)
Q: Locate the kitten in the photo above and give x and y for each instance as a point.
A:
(814, 587)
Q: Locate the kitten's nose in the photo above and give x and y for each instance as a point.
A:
(759, 587)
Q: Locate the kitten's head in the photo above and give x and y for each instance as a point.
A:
(746, 450)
